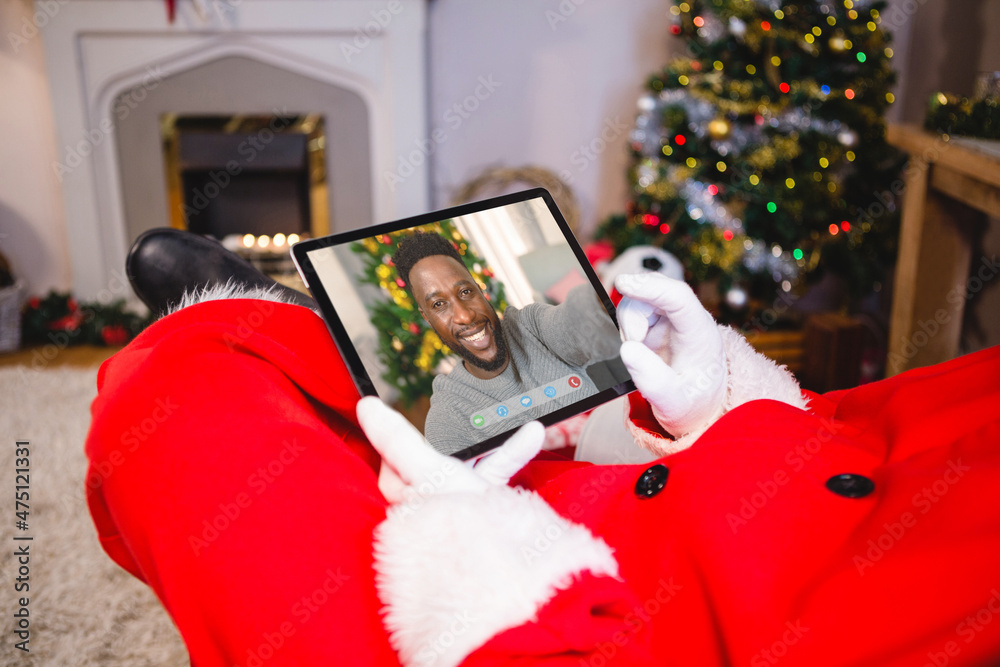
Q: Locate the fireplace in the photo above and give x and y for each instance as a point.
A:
(157, 109)
(235, 175)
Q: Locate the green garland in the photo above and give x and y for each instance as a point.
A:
(59, 319)
(951, 114)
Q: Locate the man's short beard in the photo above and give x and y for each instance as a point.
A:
(499, 359)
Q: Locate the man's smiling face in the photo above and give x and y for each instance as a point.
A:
(452, 303)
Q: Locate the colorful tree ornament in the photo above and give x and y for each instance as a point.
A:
(768, 132)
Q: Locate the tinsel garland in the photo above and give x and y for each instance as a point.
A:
(756, 156)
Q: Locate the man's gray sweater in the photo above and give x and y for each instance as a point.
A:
(550, 348)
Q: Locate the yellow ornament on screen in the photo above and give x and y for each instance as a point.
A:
(718, 128)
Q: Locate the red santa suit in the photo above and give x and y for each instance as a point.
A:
(228, 472)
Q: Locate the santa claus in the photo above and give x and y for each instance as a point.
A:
(282, 521)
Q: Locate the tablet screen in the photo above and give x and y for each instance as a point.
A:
(472, 321)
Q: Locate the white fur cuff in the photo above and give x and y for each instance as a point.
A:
(456, 569)
(749, 376)
(231, 290)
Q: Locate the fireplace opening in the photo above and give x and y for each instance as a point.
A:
(255, 182)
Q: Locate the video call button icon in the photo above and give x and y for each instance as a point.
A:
(537, 400)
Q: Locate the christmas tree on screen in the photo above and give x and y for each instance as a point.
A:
(759, 159)
(407, 346)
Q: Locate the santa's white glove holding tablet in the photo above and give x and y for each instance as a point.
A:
(673, 350)
(689, 369)
(451, 557)
(412, 469)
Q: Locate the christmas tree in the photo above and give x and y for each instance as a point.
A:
(758, 157)
(408, 347)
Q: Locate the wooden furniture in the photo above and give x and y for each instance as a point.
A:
(784, 347)
(950, 188)
(833, 346)
(825, 354)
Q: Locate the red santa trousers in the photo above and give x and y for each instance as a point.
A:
(228, 472)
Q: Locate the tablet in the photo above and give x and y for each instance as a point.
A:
(472, 320)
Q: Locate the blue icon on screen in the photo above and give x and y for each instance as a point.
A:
(550, 391)
(503, 411)
(526, 401)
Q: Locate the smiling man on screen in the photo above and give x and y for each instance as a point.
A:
(514, 369)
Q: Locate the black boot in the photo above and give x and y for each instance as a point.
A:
(166, 263)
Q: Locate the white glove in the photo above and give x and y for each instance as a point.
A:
(673, 349)
(458, 561)
(412, 468)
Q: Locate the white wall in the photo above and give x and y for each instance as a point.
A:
(561, 83)
(567, 71)
(32, 220)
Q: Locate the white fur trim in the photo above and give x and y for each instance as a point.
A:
(657, 444)
(749, 376)
(231, 290)
(456, 569)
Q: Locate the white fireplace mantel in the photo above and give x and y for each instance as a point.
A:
(98, 49)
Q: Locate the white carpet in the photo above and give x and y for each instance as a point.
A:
(84, 609)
